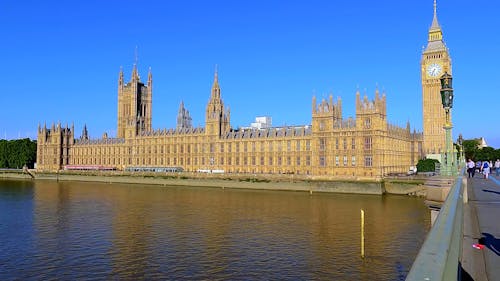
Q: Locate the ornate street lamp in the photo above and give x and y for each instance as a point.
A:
(447, 101)
(460, 142)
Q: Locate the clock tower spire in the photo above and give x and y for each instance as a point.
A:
(435, 61)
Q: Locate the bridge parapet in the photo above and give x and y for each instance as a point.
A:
(439, 257)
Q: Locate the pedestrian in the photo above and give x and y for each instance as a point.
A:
(485, 169)
(497, 167)
(471, 168)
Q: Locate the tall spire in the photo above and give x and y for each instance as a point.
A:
(150, 78)
(435, 37)
(435, 23)
(135, 74)
(216, 78)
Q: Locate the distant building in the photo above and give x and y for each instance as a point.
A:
(184, 120)
(262, 122)
(481, 142)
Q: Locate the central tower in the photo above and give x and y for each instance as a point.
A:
(435, 61)
(134, 105)
(216, 117)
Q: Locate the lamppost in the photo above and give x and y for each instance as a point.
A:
(461, 147)
(447, 101)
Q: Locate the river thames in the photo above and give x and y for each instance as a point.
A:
(96, 231)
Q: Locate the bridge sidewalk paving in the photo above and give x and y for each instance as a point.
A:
(482, 225)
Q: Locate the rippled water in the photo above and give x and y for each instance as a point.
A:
(92, 231)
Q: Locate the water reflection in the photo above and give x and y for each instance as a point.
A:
(110, 231)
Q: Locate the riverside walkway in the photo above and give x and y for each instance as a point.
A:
(482, 226)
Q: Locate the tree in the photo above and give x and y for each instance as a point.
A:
(427, 165)
(17, 153)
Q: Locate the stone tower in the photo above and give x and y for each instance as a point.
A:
(435, 61)
(53, 145)
(217, 118)
(184, 120)
(134, 105)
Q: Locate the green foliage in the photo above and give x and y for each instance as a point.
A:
(427, 165)
(17, 153)
(472, 151)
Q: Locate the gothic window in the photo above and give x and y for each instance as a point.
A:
(368, 161)
(221, 147)
(337, 143)
(270, 160)
(345, 160)
(237, 160)
(322, 125)
(222, 160)
(262, 160)
(322, 161)
(298, 160)
(237, 147)
(245, 147)
(353, 144)
(353, 161)
(289, 160)
(245, 161)
(253, 146)
(322, 144)
(368, 142)
(367, 123)
(345, 144)
(253, 160)
(212, 148)
(308, 145)
(337, 163)
(279, 160)
(308, 160)
(297, 145)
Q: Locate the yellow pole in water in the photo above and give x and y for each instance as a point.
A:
(362, 233)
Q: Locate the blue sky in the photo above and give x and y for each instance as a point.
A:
(61, 59)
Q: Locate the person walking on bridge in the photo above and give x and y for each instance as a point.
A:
(471, 168)
(497, 167)
(485, 169)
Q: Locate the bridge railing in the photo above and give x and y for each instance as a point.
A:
(439, 257)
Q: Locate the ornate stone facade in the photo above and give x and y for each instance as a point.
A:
(363, 146)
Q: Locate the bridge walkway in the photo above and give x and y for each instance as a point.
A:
(482, 226)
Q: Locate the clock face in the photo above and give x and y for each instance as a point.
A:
(434, 69)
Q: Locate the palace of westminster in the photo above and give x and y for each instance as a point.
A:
(366, 146)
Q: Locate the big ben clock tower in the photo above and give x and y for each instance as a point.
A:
(435, 61)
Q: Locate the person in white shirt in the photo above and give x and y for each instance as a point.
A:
(497, 167)
(471, 168)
